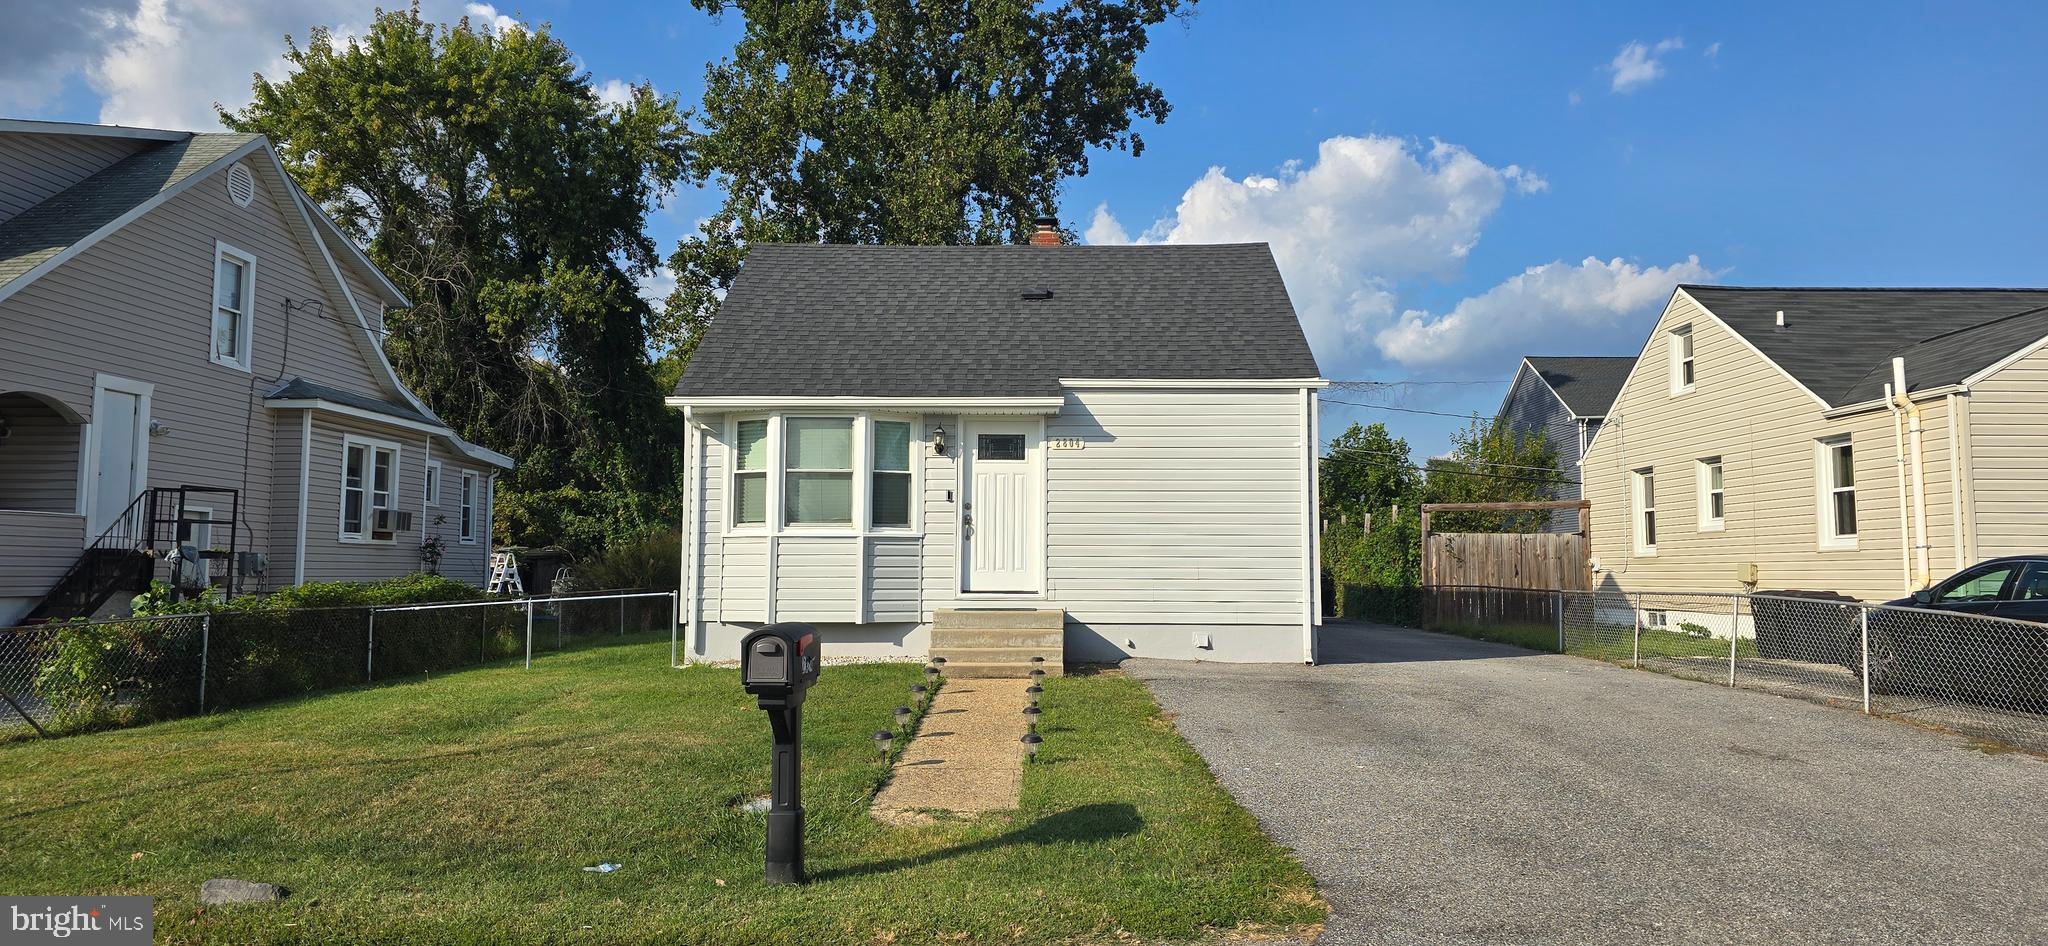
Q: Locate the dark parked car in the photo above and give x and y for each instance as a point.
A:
(1915, 647)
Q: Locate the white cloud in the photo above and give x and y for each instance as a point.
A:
(485, 16)
(1638, 65)
(656, 286)
(41, 48)
(1713, 51)
(615, 92)
(164, 63)
(1573, 98)
(1345, 229)
(1555, 307)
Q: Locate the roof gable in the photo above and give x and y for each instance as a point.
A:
(1586, 384)
(955, 321)
(1838, 343)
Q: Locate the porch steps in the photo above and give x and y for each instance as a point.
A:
(999, 642)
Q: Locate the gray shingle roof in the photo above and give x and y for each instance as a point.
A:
(1586, 384)
(948, 321)
(47, 229)
(300, 388)
(1839, 342)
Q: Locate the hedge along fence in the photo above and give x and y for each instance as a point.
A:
(176, 658)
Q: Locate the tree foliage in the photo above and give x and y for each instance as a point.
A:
(488, 180)
(1365, 469)
(1491, 462)
(881, 121)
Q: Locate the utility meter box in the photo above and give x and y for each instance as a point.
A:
(778, 663)
(1745, 572)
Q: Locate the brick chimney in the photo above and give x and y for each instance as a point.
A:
(1048, 232)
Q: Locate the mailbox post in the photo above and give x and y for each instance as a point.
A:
(778, 664)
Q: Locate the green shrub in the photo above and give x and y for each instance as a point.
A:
(118, 673)
(652, 559)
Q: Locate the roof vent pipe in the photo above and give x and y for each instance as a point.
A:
(1781, 318)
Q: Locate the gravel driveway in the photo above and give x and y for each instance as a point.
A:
(1446, 790)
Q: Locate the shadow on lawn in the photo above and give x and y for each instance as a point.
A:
(1098, 822)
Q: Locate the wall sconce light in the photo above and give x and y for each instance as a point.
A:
(939, 441)
(158, 428)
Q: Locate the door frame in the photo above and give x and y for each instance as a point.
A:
(964, 473)
(89, 477)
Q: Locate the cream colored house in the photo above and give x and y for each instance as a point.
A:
(1757, 445)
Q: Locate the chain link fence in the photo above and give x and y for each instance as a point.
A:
(84, 675)
(1972, 674)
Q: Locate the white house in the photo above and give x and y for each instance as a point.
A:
(932, 449)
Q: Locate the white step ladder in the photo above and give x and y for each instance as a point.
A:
(504, 576)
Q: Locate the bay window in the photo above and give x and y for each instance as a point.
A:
(849, 473)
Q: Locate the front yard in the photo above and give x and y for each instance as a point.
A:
(463, 809)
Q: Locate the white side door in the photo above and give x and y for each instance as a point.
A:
(1002, 528)
(120, 450)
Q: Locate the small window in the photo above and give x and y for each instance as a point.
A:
(1838, 494)
(234, 291)
(889, 499)
(195, 527)
(369, 482)
(433, 484)
(1680, 341)
(999, 447)
(1646, 511)
(1713, 496)
(1658, 619)
(750, 473)
(467, 530)
(818, 476)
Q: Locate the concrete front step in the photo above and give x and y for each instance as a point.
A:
(1009, 670)
(1017, 655)
(1042, 619)
(1048, 643)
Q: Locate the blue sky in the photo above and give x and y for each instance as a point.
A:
(1446, 188)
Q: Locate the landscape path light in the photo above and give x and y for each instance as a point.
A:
(903, 717)
(882, 737)
(1031, 714)
(1033, 691)
(1031, 742)
(920, 693)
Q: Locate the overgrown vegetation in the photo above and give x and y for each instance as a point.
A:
(651, 559)
(464, 809)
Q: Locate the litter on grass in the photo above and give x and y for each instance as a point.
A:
(604, 868)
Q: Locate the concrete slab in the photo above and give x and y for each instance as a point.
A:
(966, 758)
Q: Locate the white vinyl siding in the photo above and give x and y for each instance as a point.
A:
(40, 548)
(892, 570)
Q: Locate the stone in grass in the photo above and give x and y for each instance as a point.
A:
(220, 890)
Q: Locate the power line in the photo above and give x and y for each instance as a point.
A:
(1453, 471)
(1395, 453)
(1404, 410)
(1406, 383)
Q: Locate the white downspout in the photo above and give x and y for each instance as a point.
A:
(1955, 483)
(1899, 466)
(1915, 434)
(688, 578)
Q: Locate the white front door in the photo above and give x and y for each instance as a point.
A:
(120, 450)
(1001, 526)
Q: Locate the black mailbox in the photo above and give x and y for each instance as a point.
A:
(778, 664)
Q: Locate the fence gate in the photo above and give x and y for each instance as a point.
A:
(1549, 561)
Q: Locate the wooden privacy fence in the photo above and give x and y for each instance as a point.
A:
(1549, 561)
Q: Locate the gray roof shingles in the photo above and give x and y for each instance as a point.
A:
(1839, 342)
(302, 389)
(1586, 384)
(949, 321)
(40, 233)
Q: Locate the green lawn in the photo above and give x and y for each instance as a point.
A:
(463, 809)
(1610, 642)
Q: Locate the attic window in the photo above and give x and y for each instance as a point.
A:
(241, 185)
(1035, 294)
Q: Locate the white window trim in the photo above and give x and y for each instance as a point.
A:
(776, 472)
(467, 507)
(1637, 508)
(430, 484)
(245, 341)
(1824, 495)
(210, 523)
(1679, 359)
(371, 445)
(856, 509)
(1703, 472)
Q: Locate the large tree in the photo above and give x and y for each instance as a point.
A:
(486, 177)
(1491, 462)
(1366, 469)
(890, 121)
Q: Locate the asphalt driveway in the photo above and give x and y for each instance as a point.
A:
(1446, 790)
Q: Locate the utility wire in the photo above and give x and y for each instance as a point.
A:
(1404, 410)
(1454, 471)
(1395, 453)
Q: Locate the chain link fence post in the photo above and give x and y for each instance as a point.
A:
(370, 658)
(622, 616)
(1636, 656)
(1558, 603)
(1863, 629)
(529, 633)
(675, 624)
(1734, 634)
(205, 647)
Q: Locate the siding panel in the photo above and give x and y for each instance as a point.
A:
(2008, 436)
(1531, 408)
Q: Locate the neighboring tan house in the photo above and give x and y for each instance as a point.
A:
(1563, 400)
(176, 313)
(915, 448)
(1755, 446)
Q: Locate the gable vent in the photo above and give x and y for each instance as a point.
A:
(241, 185)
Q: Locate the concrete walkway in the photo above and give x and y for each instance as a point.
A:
(1446, 790)
(966, 758)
